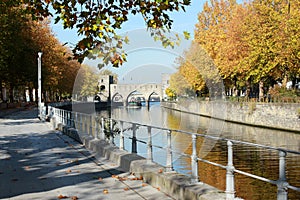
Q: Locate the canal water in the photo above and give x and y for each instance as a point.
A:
(250, 159)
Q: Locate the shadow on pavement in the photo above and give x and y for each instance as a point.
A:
(14, 113)
(36, 162)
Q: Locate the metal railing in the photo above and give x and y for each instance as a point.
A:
(103, 128)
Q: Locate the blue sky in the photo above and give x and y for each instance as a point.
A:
(143, 52)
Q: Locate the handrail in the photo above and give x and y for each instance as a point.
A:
(215, 137)
(93, 126)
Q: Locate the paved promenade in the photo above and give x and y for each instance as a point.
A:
(39, 163)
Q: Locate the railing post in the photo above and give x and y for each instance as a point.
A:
(62, 117)
(149, 147)
(68, 118)
(230, 192)
(83, 123)
(194, 160)
(169, 163)
(282, 192)
(73, 119)
(121, 136)
(80, 123)
(96, 128)
(102, 136)
(88, 124)
(65, 117)
(133, 144)
(111, 135)
(59, 114)
(93, 126)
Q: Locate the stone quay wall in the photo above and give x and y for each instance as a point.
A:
(281, 116)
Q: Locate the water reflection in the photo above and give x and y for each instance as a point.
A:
(254, 160)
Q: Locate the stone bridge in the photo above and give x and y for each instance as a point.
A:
(123, 93)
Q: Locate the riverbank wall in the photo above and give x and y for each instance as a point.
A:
(280, 116)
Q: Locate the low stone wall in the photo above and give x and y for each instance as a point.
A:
(13, 105)
(282, 116)
(172, 183)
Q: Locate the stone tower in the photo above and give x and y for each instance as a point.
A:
(104, 88)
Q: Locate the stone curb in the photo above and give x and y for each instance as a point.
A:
(172, 183)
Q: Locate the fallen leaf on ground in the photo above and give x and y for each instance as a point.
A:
(114, 176)
(62, 196)
(105, 191)
(122, 178)
(137, 178)
(158, 188)
(160, 171)
(100, 179)
(27, 167)
(68, 171)
(144, 184)
(126, 188)
(76, 161)
(74, 197)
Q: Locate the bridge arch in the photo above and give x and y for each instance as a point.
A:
(145, 90)
(153, 94)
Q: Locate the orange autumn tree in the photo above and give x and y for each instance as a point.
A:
(213, 36)
(21, 39)
(197, 70)
(58, 70)
(254, 44)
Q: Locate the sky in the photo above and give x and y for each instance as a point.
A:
(147, 59)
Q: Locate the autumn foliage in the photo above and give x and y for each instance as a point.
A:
(21, 38)
(254, 45)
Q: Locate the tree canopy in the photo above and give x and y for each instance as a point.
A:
(96, 21)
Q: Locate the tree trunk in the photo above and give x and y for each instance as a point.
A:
(261, 91)
(1, 93)
(284, 81)
(248, 89)
(11, 94)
